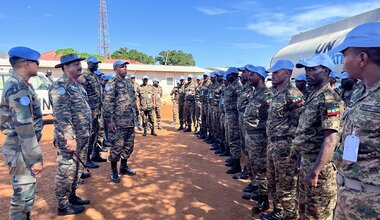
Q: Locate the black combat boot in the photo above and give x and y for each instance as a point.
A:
(188, 129)
(251, 196)
(76, 200)
(215, 146)
(124, 169)
(85, 175)
(144, 133)
(229, 162)
(242, 175)
(276, 214)
(96, 157)
(70, 209)
(236, 168)
(152, 132)
(261, 205)
(28, 216)
(180, 127)
(222, 148)
(114, 174)
(226, 153)
(250, 188)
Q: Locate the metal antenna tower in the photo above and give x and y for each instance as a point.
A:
(103, 36)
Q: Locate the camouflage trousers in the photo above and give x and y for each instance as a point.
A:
(181, 106)
(204, 118)
(210, 119)
(157, 112)
(101, 131)
(122, 143)
(69, 170)
(354, 204)
(256, 147)
(22, 179)
(175, 110)
(233, 134)
(318, 202)
(243, 133)
(281, 176)
(198, 113)
(215, 117)
(222, 128)
(190, 112)
(147, 118)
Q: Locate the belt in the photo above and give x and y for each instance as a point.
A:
(279, 138)
(356, 185)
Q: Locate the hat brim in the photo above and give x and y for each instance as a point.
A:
(68, 62)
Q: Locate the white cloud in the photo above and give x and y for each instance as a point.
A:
(212, 11)
(285, 25)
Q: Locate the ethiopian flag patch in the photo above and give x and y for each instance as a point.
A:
(297, 99)
(333, 111)
(269, 101)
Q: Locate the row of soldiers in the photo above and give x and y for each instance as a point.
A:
(293, 138)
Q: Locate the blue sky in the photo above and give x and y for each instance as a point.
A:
(218, 33)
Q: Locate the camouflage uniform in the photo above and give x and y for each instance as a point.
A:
(145, 93)
(317, 116)
(72, 120)
(255, 118)
(222, 119)
(306, 92)
(21, 122)
(282, 122)
(359, 183)
(211, 109)
(231, 94)
(157, 108)
(94, 92)
(217, 94)
(204, 101)
(346, 94)
(138, 117)
(198, 107)
(175, 94)
(120, 108)
(181, 104)
(190, 103)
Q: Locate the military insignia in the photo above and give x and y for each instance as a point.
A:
(269, 101)
(25, 100)
(297, 99)
(61, 90)
(333, 111)
(107, 88)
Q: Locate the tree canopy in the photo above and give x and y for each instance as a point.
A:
(65, 51)
(125, 53)
(175, 58)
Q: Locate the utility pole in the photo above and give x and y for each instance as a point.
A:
(103, 36)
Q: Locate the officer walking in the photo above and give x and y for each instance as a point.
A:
(21, 122)
(146, 99)
(72, 130)
(157, 107)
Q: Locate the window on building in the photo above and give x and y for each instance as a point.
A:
(169, 81)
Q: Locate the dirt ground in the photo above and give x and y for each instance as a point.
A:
(178, 177)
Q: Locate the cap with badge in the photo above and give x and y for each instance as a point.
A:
(281, 64)
(300, 77)
(232, 70)
(92, 59)
(24, 53)
(119, 62)
(261, 71)
(317, 60)
(69, 58)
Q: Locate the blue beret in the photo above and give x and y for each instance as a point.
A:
(24, 53)
(93, 59)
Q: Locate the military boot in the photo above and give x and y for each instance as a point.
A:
(70, 209)
(76, 200)
(188, 129)
(215, 146)
(114, 174)
(276, 214)
(96, 157)
(250, 188)
(180, 127)
(144, 134)
(261, 205)
(222, 148)
(152, 132)
(242, 175)
(159, 126)
(85, 175)
(251, 196)
(28, 216)
(226, 153)
(236, 168)
(124, 169)
(229, 162)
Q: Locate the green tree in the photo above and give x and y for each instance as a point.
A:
(65, 51)
(125, 53)
(175, 58)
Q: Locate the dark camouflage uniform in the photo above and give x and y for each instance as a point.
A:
(175, 95)
(319, 202)
(120, 108)
(157, 108)
(217, 94)
(306, 92)
(282, 122)
(204, 101)
(21, 122)
(138, 117)
(361, 118)
(145, 93)
(72, 120)
(198, 106)
(222, 118)
(181, 104)
(255, 118)
(231, 95)
(190, 103)
(211, 109)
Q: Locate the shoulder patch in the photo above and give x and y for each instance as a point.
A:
(61, 90)
(25, 100)
(333, 110)
(297, 99)
(107, 87)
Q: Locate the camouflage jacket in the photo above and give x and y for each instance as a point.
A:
(145, 95)
(190, 91)
(21, 118)
(221, 101)
(211, 94)
(346, 94)
(284, 111)
(181, 91)
(306, 92)
(204, 91)
(157, 94)
(72, 113)
(362, 118)
(120, 103)
(93, 87)
(217, 93)
(322, 111)
(175, 93)
(198, 92)
(135, 86)
(256, 111)
(244, 97)
(231, 94)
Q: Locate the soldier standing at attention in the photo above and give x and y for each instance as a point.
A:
(358, 156)
(145, 95)
(190, 102)
(132, 78)
(347, 88)
(198, 105)
(21, 122)
(120, 109)
(316, 138)
(93, 87)
(157, 107)
(204, 97)
(283, 114)
(181, 102)
(300, 81)
(72, 130)
(175, 94)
